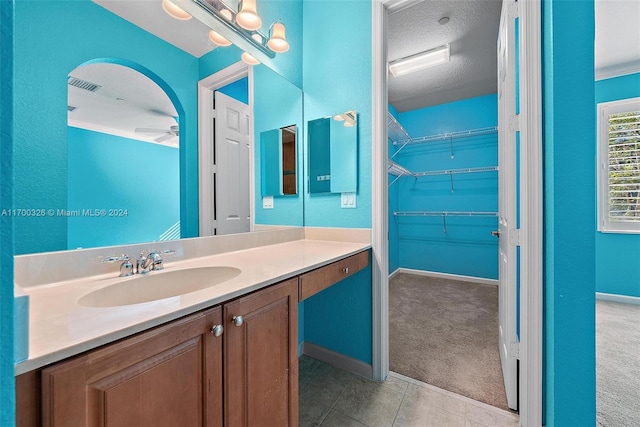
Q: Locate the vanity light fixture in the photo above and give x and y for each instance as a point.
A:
(348, 117)
(420, 61)
(217, 39)
(174, 11)
(248, 17)
(249, 59)
(237, 22)
(277, 40)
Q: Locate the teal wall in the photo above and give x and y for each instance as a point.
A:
(7, 386)
(238, 90)
(336, 78)
(617, 255)
(47, 47)
(467, 247)
(569, 129)
(268, 115)
(112, 173)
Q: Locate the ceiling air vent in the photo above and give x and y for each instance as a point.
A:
(83, 84)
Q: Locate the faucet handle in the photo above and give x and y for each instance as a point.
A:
(167, 252)
(122, 257)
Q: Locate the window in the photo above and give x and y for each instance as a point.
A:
(619, 166)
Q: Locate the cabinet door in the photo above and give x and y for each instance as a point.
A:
(169, 376)
(261, 358)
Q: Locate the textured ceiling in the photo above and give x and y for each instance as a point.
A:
(472, 32)
(125, 100)
(617, 37)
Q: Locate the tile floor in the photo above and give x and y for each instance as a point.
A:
(331, 397)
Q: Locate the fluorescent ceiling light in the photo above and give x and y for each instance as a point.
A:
(420, 61)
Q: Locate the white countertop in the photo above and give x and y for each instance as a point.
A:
(59, 327)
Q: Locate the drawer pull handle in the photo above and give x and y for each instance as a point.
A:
(237, 320)
(217, 330)
(345, 270)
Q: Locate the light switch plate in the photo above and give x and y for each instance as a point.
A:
(267, 202)
(348, 201)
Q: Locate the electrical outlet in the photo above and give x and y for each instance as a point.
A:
(267, 202)
(348, 201)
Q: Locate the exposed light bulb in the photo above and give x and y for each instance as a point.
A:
(216, 38)
(249, 59)
(248, 17)
(278, 42)
(174, 11)
(226, 13)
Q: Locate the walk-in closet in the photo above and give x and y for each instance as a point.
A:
(443, 164)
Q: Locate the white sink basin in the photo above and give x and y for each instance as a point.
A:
(157, 285)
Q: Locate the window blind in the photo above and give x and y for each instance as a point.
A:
(624, 167)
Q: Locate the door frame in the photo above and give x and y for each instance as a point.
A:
(531, 220)
(206, 87)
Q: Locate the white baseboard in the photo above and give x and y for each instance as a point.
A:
(625, 299)
(449, 276)
(337, 359)
(395, 273)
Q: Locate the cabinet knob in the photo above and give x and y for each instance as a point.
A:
(217, 330)
(345, 270)
(237, 320)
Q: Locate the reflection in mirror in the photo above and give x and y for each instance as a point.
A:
(123, 158)
(289, 175)
(278, 161)
(333, 153)
(277, 108)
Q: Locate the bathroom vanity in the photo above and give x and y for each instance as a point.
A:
(223, 355)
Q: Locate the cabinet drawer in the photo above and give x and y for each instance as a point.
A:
(315, 281)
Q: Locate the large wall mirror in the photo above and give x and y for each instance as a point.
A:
(147, 201)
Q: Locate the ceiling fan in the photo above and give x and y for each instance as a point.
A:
(166, 133)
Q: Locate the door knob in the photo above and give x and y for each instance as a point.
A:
(217, 330)
(495, 233)
(237, 320)
(345, 270)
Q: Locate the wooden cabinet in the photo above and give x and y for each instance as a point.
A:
(321, 278)
(184, 374)
(173, 375)
(168, 376)
(261, 358)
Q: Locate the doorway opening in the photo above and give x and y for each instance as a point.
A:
(225, 147)
(450, 324)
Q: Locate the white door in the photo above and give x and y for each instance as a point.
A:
(231, 160)
(507, 201)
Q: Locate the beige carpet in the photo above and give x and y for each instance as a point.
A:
(617, 364)
(445, 333)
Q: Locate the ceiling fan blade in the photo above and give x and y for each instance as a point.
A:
(150, 130)
(165, 137)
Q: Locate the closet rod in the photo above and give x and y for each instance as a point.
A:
(445, 214)
(456, 171)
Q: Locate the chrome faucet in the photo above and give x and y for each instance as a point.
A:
(153, 261)
(126, 268)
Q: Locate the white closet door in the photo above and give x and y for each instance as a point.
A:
(507, 200)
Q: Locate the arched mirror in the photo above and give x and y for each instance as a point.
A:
(123, 158)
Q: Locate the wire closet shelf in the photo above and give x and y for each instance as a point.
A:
(445, 214)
